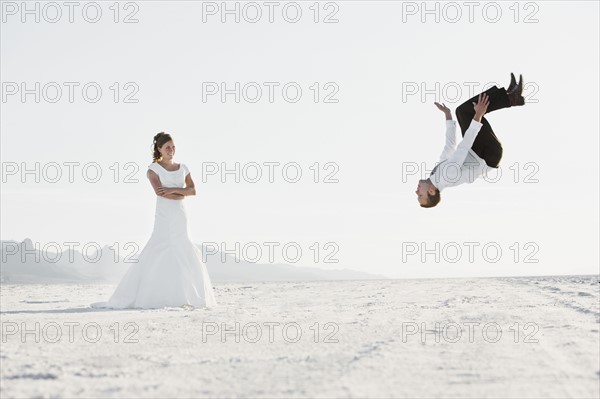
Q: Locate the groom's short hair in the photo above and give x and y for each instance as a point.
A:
(432, 199)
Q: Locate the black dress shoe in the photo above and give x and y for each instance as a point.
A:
(515, 96)
(513, 83)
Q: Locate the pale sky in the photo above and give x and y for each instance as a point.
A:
(374, 54)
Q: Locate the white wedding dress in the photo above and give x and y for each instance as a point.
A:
(169, 271)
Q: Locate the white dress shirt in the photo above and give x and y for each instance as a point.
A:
(460, 164)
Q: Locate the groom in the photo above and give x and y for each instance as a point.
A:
(479, 148)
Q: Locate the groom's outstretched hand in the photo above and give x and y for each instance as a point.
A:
(445, 110)
(481, 107)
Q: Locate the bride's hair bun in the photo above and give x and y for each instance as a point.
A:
(159, 140)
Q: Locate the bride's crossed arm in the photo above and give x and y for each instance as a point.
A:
(189, 189)
(169, 192)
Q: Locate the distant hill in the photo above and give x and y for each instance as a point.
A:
(233, 270)
(22, 263)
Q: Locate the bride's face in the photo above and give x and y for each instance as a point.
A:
(167, 150)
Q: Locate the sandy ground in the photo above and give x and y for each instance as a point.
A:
(383, 338)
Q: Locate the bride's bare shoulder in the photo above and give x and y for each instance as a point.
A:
(153, 168)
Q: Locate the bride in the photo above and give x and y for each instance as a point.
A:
(169, 271)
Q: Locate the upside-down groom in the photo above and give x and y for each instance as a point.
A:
(479, 148)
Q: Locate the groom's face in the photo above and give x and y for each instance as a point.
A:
(421, 192)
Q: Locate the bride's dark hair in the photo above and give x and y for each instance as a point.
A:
(159, 140)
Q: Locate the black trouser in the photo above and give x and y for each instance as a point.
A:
(486, 145)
